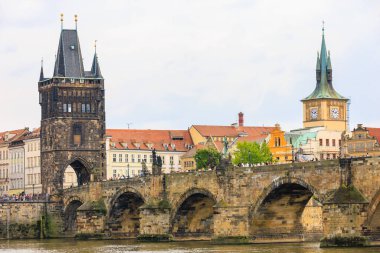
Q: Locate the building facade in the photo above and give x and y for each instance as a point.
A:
(325, 106)
(33, 163)
(361, 142)
(72, 117)
(314, 143)
(16, 166)
(5, 139)
(128, 149)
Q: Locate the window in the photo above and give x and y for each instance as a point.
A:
(327, 142)
(77, 133)
(328, 156)
(133, 158)
(145, 158)
(68, 107)
(320, 142)
(321, 156)
(277, 142)
(171, 158)
(334, 156)
(114, 157)
(151, 158)
(126, 158)
(120, 158)
(340, 143)
(333, 142)
(138, 158)
(88, 108)
(64, 107)
(83, 108)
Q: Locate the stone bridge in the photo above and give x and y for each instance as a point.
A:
(291, 202)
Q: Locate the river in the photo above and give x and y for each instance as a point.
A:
(71, 246)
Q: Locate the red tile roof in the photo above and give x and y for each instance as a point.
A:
(375, 132)
(174, 140)
(17, 134)
(247, 133)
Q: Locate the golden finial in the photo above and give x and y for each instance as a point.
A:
(61, 20)
(76, 21)
(95, 45)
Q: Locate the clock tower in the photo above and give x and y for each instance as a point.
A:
(324, 106)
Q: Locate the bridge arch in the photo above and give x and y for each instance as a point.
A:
(82, 171)
(123, 218)
(193, 214)
(279, 210)
(373, 218)
(70, 214)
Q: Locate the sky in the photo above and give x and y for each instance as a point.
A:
(169, 64)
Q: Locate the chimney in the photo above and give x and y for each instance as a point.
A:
(241, 119)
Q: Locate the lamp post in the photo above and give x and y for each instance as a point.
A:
(249, 158)
(33, 190)
(128, 170)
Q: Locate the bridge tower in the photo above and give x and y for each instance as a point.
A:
(72, 117)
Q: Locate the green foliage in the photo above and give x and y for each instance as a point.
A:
(252, 153)
(207, 158)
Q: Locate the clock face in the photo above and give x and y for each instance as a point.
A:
(314, 113)
(334, 113)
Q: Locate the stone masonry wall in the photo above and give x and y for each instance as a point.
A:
(21, 219)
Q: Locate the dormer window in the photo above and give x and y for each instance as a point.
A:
(165, 145)
(137, 145)
(173, 146)
(72, 47)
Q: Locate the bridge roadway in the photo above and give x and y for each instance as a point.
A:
(289, 202)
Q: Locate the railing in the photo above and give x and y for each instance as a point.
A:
(25, 198)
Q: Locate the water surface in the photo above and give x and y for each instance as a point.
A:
(116, 246)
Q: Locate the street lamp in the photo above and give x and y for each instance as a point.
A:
(249, 158)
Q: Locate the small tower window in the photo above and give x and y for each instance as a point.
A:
(77, 134)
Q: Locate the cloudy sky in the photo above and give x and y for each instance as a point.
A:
(169, 64)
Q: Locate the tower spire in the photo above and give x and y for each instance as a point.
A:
(95, 69)
(42, 70)
(324, 87)
(76, 21)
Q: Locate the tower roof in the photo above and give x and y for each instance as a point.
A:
(324, 87)
(95, 69)
(69, 62)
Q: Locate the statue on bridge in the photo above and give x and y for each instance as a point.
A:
(157, 163)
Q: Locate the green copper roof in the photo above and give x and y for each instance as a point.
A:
(324, 88)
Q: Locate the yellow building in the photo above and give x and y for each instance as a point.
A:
(325, 107)
(280, 149)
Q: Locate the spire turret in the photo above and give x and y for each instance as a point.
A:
(324, 87)
(95, 68)
(42, 70)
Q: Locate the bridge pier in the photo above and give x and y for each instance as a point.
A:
(231, 221)
(154, 224)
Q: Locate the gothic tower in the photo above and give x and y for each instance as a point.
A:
(325, 107)
(72, 117)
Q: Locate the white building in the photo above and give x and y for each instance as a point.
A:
(16, 168)
(127, 148)
(33, 163)
(315, 143)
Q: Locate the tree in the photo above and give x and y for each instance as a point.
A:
(207, 158)
(252, 153)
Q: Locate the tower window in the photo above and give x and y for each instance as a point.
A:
(77, 133)
(68, 107)
(64, 107)
(83, 108)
